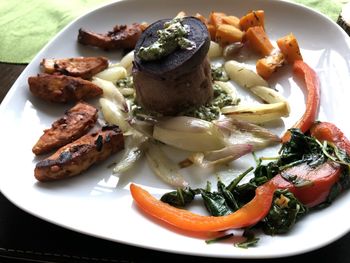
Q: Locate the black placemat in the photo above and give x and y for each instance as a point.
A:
(25, 237)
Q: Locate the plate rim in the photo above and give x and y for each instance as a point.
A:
(12, 90)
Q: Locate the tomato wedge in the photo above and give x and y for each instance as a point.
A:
(320, 181)
(313, 97)
(326, 131)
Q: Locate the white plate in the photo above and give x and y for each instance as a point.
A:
(99, 204)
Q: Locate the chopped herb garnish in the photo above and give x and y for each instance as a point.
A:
(250, 241)
(217, 239)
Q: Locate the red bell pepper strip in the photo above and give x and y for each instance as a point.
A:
(326, 131)
(248, 215)
(313, 97)
(322, 179)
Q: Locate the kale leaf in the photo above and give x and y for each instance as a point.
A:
(301, 149)
(283, 214)
(179, 198)
(250, 240)
(215, 203)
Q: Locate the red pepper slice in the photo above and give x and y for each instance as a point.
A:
(248, 215)
(313, 97)
(326, 131)
(322, 178)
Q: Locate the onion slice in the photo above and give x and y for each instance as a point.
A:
(229, 89)
(222, 156)
(215, 50)
(232, 50)
(163, 167)
(239, 132)
(244, 77)
(188, 133)
(112, 73)
(127, 61)
(143, 126)
(257, 113)
(111, 92)
(113, 115)
(134, 150)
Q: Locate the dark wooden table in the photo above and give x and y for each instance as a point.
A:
(25, 238)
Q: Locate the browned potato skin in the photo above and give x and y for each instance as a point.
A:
(78, 156)
(76, 122)
(122, 37)
(62, 89)
(83, 67)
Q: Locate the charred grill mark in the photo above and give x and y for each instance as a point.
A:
(76, 122)
(122, 37)
(62, 88)
(63, 71)
(65, 157)
(83, 67)
(79, 155)
(99, 143)
(111, 128)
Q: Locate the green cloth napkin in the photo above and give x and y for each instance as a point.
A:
(330, 8)
(27, 25)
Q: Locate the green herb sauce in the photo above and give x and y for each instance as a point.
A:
(172, 37)
(211, 111)
(218, 73)
(208, 112)
(125, 83)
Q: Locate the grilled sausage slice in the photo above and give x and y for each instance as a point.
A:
(84, 67)
(78, 156)
(76, 122)
(122, 37)
(61, 88)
